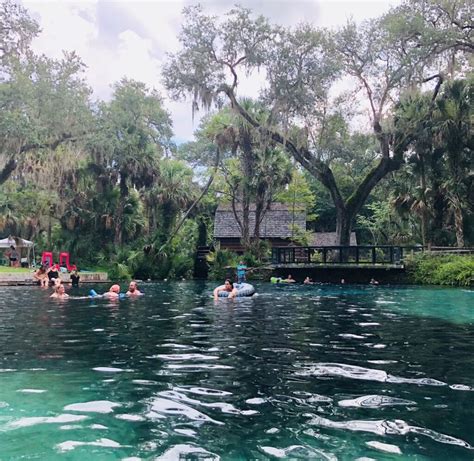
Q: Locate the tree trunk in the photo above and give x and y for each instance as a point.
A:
(344, 222)
(7, 170)
(248, 162)
(118, 237)
(458, 223)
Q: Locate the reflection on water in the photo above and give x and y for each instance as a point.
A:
(319, 372)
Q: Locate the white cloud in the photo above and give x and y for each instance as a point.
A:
(131, 38)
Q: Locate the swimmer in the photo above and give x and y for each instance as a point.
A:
(133, 289)
(226, 287)
(59, 292)
(113, 293)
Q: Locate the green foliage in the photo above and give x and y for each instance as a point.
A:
(457, 270)
(220, 262)
(300, 236)
(298, 195)
(378, 222)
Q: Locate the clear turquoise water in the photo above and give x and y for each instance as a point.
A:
(320, 372)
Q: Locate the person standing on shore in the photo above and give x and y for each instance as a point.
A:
(13, 256)
(241, 272)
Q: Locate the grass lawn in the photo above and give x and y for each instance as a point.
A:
(14, 270)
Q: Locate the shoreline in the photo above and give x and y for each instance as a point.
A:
(26, 278)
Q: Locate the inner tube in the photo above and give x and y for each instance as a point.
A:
(94, 294)
(243, 290)
(278, 280)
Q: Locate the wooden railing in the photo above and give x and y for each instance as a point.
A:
(363, 254)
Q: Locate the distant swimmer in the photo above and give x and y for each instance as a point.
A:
(113, 293)
(59, 292)
(226, 287)
(133, 289)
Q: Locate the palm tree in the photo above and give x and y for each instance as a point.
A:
(454, 135)
(174, 191)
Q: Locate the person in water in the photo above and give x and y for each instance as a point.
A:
(53, 274)
(226, 287)
(308, 281)
(75, 278)
(113, 293)
(289, 279)
(59, 292)
(133, 289)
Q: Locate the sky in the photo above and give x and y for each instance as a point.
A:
(117, 39)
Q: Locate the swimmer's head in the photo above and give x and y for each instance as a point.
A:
(115, 288)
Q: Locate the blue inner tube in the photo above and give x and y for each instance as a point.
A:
(94, 294)
(243, 290)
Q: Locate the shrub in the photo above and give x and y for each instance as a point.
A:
(432, 269)
(221, 261)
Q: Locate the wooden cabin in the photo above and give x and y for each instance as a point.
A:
(328, 239)
(277, 226)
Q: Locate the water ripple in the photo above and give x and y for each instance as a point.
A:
(361, 373)
(374, 401)
(387, 427)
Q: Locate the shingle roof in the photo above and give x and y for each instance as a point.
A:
(325, 239)
(277, 223)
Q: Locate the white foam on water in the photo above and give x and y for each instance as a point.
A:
(72, 444)
(351, 336)
(34, 420)
(144, 382)
(188, 432)
(203, 391)
(461, 387)
(375, 401)
(255, 401)
(272, 430)
(367, 374)
(108, 369)
(32, 391)
(386, 447)
(98, 426)
(388, 427)
(197, 366)
(179, 357)
(95, 406)
(165, 407)
(127, 417)
(187, 451)
(297, 452)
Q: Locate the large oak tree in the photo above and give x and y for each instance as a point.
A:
(380, 59)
